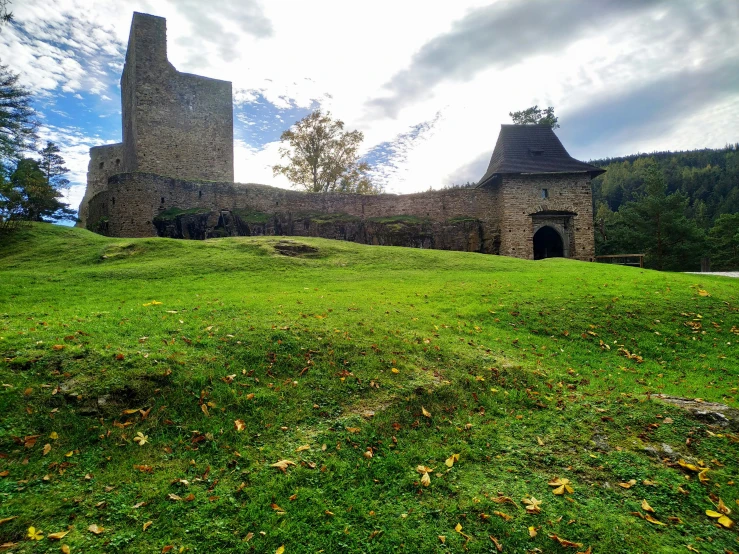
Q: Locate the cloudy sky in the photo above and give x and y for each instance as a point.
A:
(428, 82)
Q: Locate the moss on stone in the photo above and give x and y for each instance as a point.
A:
(173, 213)
(251, 216)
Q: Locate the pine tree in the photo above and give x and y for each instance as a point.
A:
(52, 166)
(17, 117)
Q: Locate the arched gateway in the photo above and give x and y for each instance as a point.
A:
(548, 244)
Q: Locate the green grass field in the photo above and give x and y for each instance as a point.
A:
(147, 387)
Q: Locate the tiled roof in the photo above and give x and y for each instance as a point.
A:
(532, 149)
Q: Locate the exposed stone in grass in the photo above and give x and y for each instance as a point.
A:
(710, 412)
(290, 248)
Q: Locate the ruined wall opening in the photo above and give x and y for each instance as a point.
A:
(548, 244)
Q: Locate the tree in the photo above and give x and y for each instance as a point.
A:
(322, 157)
(17, 117)
(5, 15)
(723, 241)
(52, 166)
(656, 224)
(534, 115)
(27, 196)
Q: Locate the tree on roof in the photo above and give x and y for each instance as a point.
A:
(544, 116)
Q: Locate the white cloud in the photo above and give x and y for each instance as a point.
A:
(456, 64)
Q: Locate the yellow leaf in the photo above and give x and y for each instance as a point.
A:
(726, 522)
(702, 292)
(538, 440)
(425, 412)
(69, 454)
(367, 454)
(423, 469)
(442, 538)
(503, 515)
(562, 486)
(711, 513)
(458, 528)
(650, 519)
(395, 370)
(646, 507)
(239, 424)
(451, 459)
(702, 477)
(532, 531)
(53, 436)
(147, 525)
(723, 508)
(353, 429)
(204, 408)
(628, 485)
(141, 439)
(691, 467)
(34, 534)
(47, 448)
(57, 536)
(94, 528)
(282, 465)
(65, 549)
(532, 505)
(302, 448)
(280, 550)
(425, 480)
(7, 519)
(276, 508)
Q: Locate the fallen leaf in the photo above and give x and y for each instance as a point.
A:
(451, 459)
(562, 486)
(167, 548)
(249, 536)
(458, 528)
(239, 424)
(503, 515)
(628, 485)
(539, 441)
(498, 545)
(500, 499)
(95, 529)
(532, 505)
(147, 525)
(703, 477)
(532, 531)
(650, 519)
(141, 439)
(723, 508)
(368, 454)
(57, 536)
(204, 408)
(425, 480)
(425, 412)
(280, 550)
(726, 522)
(276, 508)
(702, 292)
(282, 465)
(47, 448)
(53, 435)
(353, 429)
(34, 534)
(423, 469)
(65, 549)
(302, 448)
(565, 542)
(7, 519)
(395, 370)
(646, 507)
(442, 538)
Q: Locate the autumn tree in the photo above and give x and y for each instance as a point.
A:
(323, 157)
(534, 115)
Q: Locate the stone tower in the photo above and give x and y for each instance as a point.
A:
(174, 124)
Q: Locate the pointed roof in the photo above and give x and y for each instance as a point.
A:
(532, 149)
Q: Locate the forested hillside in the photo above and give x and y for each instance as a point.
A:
(676, 207)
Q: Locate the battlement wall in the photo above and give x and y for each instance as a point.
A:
(132, 202)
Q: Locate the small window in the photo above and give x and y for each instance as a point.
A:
(545, 193)
(113, 201)
(102, 165)
(200, 194)
(118, 162)
(162, 199)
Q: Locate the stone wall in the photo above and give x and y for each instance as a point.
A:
(173, 123)
(459, 219)
(105, 161)
(521, 199)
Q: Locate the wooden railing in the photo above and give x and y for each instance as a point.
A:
(634, 260)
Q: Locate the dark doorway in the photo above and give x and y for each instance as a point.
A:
(547, 244)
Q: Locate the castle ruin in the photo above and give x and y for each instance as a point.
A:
(173, 176)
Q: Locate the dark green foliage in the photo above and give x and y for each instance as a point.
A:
(27, 196)
(702, 184)
(534, 115)
(52, 166)
(17, 117)
(724, 243)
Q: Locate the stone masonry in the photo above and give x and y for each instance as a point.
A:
(173, 176)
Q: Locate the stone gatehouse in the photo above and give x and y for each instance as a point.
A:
(173, 176)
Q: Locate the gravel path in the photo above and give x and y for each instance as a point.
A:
(721, 273)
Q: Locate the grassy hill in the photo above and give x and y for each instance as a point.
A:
(148, 387)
